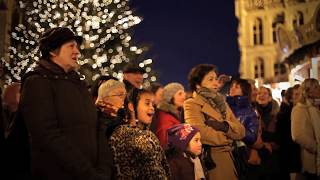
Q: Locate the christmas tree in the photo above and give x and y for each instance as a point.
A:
(105, 25)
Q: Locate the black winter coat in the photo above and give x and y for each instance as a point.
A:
(181, 167)
(62, 122)
(289, 151)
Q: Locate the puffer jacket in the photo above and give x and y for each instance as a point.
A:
(242, 109)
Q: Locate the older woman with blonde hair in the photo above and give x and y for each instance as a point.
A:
(305, 126)
(111, 94)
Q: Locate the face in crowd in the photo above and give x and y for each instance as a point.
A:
(179, 98)
(67, 56)
(158, 95)
(235, 90)
(210, 81)
(145, 108)
(111, 96)
(264, 96)
(315, 91)
(136, 79)
(116, 97)
(195, 145)
(296, 93)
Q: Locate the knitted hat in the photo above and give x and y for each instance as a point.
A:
(56, 37)
(170, 90)
(180, 135)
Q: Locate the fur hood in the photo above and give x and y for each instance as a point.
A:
(169, 108)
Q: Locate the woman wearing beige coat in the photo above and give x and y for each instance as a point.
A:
(208, 111)
(305, 127)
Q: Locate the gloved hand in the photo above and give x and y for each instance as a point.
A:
(217, 125)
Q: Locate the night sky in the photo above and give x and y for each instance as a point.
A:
(185, 33)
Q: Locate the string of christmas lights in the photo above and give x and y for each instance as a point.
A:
(105, 26)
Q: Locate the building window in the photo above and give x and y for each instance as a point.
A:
(279, 69)
(257, 32)
(258, 3)
(298, 19)
(279, 19)
(274, 32)
(259, 68)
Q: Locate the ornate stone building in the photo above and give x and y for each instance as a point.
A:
(258, 39)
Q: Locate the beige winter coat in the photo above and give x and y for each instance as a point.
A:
(305, 129)
(195, 111)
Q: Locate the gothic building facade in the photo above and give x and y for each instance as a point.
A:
(258, 39)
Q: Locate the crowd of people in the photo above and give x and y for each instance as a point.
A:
(119, 129)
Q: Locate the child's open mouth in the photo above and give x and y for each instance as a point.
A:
(150, 114)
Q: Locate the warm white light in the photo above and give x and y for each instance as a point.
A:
(107, 42)
(148, 61)
(133, 48)
(153, 78)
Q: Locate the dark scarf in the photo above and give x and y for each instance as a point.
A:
(215, 99)
(110, 118)
(265, 113)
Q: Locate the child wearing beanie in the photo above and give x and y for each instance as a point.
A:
(184, 147)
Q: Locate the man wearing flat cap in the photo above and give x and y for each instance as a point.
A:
(133, 76)
(59, 113)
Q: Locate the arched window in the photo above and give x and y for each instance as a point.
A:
(274, 32)
(259, 68)
(298, 19)
(278, 19)
(257, 32)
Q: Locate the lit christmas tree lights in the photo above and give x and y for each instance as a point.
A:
(105, 26)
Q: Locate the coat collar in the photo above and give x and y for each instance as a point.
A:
(51, 66)
(205, 107)
(54, 69)
(307, 104)
(169, 108)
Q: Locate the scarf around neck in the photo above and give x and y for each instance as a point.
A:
(198, 170)
(107, 108)
(215, 99)
(169, 108)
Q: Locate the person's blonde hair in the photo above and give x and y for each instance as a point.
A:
(266, 88)
(108, 86)
(306, 86)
